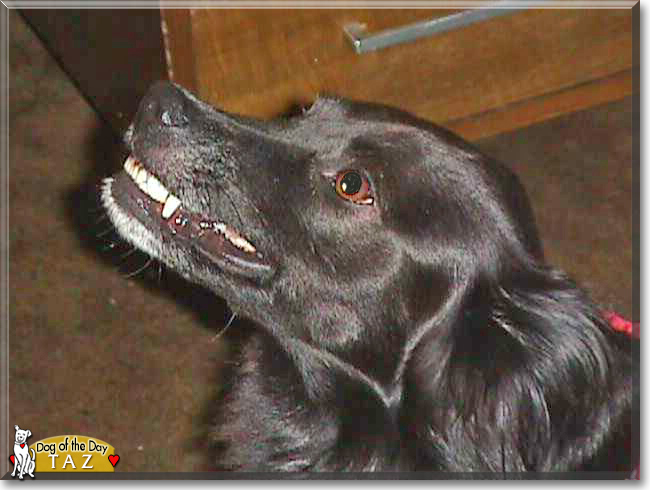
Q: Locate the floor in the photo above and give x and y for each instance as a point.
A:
(132, 357)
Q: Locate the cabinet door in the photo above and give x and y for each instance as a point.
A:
(265, 62)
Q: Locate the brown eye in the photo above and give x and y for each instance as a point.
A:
(351, 185)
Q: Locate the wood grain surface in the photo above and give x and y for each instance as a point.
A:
(265, 62)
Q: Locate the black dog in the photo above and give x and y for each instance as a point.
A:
(407, 319)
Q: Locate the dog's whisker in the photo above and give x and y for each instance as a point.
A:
(106, 231)
(232, 317)
(243, 196)
(127, 253)
(100, 219)
(234, 208)
(223, 330)
(503, 458)
(138, 271)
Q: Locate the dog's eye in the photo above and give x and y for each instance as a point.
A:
(351, 185)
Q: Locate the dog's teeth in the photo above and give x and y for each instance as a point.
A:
(238, 241)
(141, 176)
(243, 244)
(151, 186)
(171, 204)
(156, 190)
(147, 183)
(129, 165)
(132, 168)
(234, 237)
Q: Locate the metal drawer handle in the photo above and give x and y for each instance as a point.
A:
(364, 42)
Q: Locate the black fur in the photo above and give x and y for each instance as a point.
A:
(421, 332)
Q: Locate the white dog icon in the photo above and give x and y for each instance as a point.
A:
(22, 462)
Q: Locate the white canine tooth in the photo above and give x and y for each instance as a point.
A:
(156, 190)
(141, 176)
(171, 205)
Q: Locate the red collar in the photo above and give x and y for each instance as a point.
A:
(633, 330)
(622, 325)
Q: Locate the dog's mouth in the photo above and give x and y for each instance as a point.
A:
(139, 193)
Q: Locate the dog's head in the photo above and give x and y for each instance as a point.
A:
(352, 227)
(21, 435)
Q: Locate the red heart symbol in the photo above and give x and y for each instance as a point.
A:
(113, 458)
(12, 459)
(22, 445)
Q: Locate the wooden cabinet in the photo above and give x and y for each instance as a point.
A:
(481, 79)
(112, 55)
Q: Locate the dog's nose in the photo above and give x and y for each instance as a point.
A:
(165, 105)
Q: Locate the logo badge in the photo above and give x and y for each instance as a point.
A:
(68, 453)
(24, 457)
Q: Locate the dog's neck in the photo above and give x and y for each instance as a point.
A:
(316, 365)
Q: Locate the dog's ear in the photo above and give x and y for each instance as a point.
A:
(523, 373)
(16, 427)
(29, 433)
